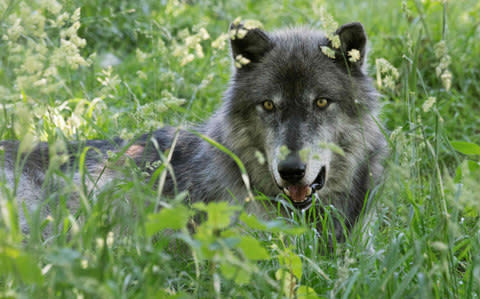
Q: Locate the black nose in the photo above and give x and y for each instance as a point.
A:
(292, 169)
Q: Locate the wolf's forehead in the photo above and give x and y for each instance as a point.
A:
(299, 61)
(299, 36)
(297, 74)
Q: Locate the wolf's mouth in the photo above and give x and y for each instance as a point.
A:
(301, 196)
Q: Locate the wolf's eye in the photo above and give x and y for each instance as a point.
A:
(268, 105)
(322, 103)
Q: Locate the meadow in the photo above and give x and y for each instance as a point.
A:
(95, 69)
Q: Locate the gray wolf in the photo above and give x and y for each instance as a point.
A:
(312, 117)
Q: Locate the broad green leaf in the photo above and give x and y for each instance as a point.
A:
(28, 269)
(236, 273)
(291, 261)
(466, 148)
(458, 174)
(64, 257)
(288, 280)
(219, 214)
(274, 226)
(304, 292)
(164, 294)
(201, 206)
(252, 222)
(252, 249)
(172, 218)
(13, 261)
(473, 166)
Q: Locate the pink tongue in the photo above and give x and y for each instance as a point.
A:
(297, 193)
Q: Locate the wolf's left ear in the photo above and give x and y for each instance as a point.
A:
(353, 37)
(248, 43)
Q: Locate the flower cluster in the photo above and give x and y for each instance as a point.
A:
(387, 74)
(442, 69)
(191, 47)
(329, 26)
(41, 44)
(428, 104)
(354, 55)
(241, 61)
(38, 46)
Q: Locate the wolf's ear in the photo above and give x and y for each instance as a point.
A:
(353, 37)
(248, 42)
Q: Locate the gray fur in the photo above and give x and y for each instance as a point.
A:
(288, 68)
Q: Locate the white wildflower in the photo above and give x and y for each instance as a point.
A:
(241, 61)
(161, 47)
(199, 51)
(84, 264)
(41, 48)
(335, 39)
(241, 33)
(328, 52)
(220, 42)
(69, 53)
(329, 24)
(388, 82)
(61, 19)
(387, 74)
(442, 69)
(41, 82)
(110, 239)
(141, 56)
(100, 243)
(108, 60)
(35, 24)
(232, 33)
(252, 24)
(354, 55)
(187, 59)
(440, 49)
(447, 80)
(53, 6)
(237, 21)
(34, 63)
(395, 133)
(142, 75)
(428, 104)
(14, 32)
(203, 34)
(76, 15)
(191, 41)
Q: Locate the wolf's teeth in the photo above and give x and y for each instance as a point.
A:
(285, 190)
(309, 191)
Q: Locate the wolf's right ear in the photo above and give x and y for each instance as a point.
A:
(353, 37)
(248, 43)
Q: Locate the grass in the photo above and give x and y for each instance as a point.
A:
(422, 241)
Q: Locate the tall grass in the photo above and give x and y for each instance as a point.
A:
(121, 68)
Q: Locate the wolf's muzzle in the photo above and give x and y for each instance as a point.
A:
(292, 169)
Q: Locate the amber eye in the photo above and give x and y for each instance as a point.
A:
(321, 103)
(268, 105)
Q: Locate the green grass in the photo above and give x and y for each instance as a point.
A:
(421, 238)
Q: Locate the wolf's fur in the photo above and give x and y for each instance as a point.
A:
(286, 68)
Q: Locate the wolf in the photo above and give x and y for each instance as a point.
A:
(297, 101)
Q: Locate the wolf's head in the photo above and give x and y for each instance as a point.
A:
(306, 111)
